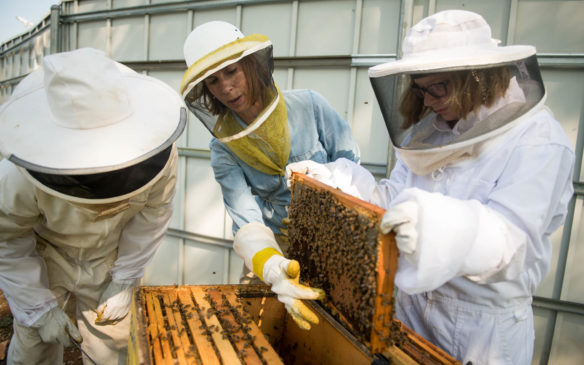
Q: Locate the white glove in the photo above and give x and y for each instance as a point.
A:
(56, 327)
(256, 244)
(344, 174)
(403, 219)
(114, 303)
(315, 170)
(441, 237)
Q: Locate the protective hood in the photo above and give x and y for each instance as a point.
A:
(263, 143)
(82, 113)
(489, 87)
(450, 40)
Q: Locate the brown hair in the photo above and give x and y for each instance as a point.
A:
(471, 90)
(258, 79)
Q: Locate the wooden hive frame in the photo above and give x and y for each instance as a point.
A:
(196, 325)
(360, 292)
(386, 335)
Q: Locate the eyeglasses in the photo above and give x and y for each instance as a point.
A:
(437, 90)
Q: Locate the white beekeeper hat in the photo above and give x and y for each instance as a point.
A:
(451, 40)
(83, 113)
(455, 40)
(213, 46)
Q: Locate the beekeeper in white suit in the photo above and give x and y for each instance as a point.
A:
(482, 179)
(85, 199)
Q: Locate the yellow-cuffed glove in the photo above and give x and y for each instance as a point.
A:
(256, 244)
(286, 222)
(283, 274)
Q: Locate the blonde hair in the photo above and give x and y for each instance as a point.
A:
(471, 90)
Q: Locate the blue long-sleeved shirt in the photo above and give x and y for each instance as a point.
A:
(317, 133)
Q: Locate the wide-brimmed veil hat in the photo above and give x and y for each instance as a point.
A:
(457, 44)
(83, 113)
(262, 143)
(215, 45)
(451, 40)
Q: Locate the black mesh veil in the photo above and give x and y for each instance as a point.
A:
(389, 89)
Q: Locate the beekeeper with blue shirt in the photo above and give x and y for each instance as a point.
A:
(258, 129)
(86, 191)
(483, 178)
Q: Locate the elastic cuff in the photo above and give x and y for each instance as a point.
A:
(259, 259)
(127, 281)
(33, 316)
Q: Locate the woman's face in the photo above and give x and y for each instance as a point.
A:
(229, 86)
(436, 90)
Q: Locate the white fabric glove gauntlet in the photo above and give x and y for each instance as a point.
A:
(114, 303)
(55, 327)
(441, 237)
(256, 244)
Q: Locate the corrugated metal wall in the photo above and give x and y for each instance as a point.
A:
(326, 46)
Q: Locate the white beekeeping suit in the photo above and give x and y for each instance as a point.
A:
(86, 191)
(475, 193)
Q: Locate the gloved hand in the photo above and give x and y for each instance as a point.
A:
(313, 169)
(441, 237)
(286, 222)
(56, 327)
(342, 173)
(256, 244)
(114, 303)
(283, 274)
(402, 219)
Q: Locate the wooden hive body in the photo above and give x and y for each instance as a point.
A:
(246, 324)
(231, 324)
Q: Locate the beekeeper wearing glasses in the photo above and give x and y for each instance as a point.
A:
(483, 178)
(86, 189)
(257, 130)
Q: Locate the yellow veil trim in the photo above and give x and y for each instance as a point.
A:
(217, 59)
(267, 148)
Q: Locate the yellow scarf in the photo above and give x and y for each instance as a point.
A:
(268, 147)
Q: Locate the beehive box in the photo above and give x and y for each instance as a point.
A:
(246, 324)
(230, 324)
(337, 241)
